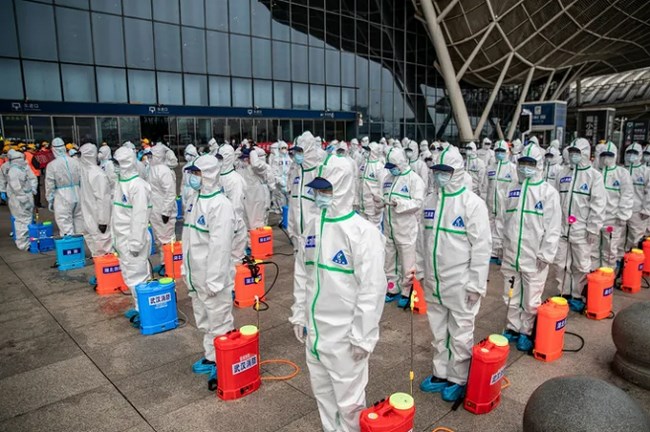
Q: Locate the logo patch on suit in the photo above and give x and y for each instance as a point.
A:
(340, 258)
(311, 242)
(508, 176)
(310, 191)
(405, 189)
(201, 220)
(616, 183)
(539, 206)
(124, 200)
(565, 180)
(189, 208)
(514, 193)
(492, 173)
(296, 180)
(640, 180)
(584, 187)
(371, 175)
(429, 214)
(458, 222)
(388, 184)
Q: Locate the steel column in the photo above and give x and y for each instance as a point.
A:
(522, 99)
(493, 96)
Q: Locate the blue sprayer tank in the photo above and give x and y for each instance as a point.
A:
(157, 306)
(70, 252)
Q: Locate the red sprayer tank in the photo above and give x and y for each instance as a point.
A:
(551, 324)
(238, 363)
(173, 259)
(262, 242)
(393, 415)
(108, 275)
(632, 271)
(249, 283)
(646, 253)
(489, 359)
(600, 290)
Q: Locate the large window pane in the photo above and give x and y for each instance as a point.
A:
(262, 58)
(219, 91)
(240, 55)
(218, 60)
(347, 69)
(282, 94)
(108, 40)
(263, 94)
(112, 6)
(192, 12)
(242, 93)
(139, 49)
(240, 20)
(9, 45)
(108, 131)
(317, 97)
(142, 87)
(216, 12)
(42, 81)
(193, 50)
(39, 44)
(73, 28)
(333, 67)
(280, 31)
(168, 47)
(298, 59)
(12, 82)
(196, 90)
(130, 128)
(261, 19)
(316, 65)
(347, 99)
(170, 88)
(78, 83)
(300, 96)
(281, 60)
(138, 8)
(165, 10)
(333, 98)
(111, 85)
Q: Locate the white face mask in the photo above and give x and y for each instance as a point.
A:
(442, 178)
(323, 201)
(631, 158)
(608, 161)
(646, 157)
(526, 171)
(575, 158)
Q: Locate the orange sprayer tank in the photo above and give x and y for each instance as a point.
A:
(632, 271)
(489, 359)
(393, 415)
(551, 323)
(237, 355)
(262, 242)
(420, 305)
(600, 290)
(173, 259)
(248, 285)
(108, 275)
(646, 253)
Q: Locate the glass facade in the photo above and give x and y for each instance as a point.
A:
(368, 57)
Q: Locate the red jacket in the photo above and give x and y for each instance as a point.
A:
(44, 157)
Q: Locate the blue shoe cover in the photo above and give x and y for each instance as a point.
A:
(201, 366)
(495, 260)
(92, 280)
(453, 392)
(403, 301)
(511, 335)
(135, 321)
(524, 343)
(391, 297)
(130, 313)
(435, 386)
(576, 305)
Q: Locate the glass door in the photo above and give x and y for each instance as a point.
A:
(130, 130)
(86, 130)
(64, 128)
(108, 131)
(204, 132)
(186, 133)
(219, 126)
(15, 128)
(41, 128)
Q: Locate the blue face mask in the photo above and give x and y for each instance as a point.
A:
(526, 171)
(575, 158)
(298, 158)
(194, 181)
(500, 156)
(323, 201)
(395, 171)
(441, 178)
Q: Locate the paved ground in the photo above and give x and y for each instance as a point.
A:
(69, 361)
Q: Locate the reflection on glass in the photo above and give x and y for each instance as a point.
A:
(38, 81)
(165, 10)
(220, 91)
(218, 59)
(193, 50)
(168, 47)
(261, 58)
(263, 96)
(240, 55)
(317, 97)
(281, 60)
(240, 20)
(111, 85)
(108, 131)
(217, 13)
(218, 129)
(15, 127)
(203, 131)
(64, 128)
(41, 128)
(261, 131)
(282, 94)
(242, 93)
(39, 44)
(73, 28)
(246, 129)
(12, 82)
(78, 83)
(186, 133)
(86, 131)
(192, 12)
(107, 40)
(196, 90)
(139, 50)
(130, 129)
(300, 96)
(142, 87)
(333, 98)
(170, 88)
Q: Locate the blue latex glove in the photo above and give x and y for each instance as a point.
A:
(3, 195)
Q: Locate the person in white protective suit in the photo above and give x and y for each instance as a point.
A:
(257, 175)
(163, 199)
(356, 152)
(516, 149)
(21, 184)
(582, 196)
(424, 150)
(637, 224)
(129, 222)
(105, 156)
(502, 174)
(213, 146)
(170, 158)
(646, 155)
(234, 185)
(96, 202)
(187, 193)
(600, 147)
(476, 169)
(372, 174)
(619, 192)
(403, 195)
(485, 153)
(280, 166)
(552, 165)
(62, 190)
(416, 164)
(142, 169)
(208, 268)
(457, 250)
(530, 229)
(342, 302)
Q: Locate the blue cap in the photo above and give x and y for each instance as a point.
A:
(443, 167)
(193, 168)
(527, 159)
(390, 166)
(245, 153)
(320, 183)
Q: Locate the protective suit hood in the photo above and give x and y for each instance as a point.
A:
(471, 150)
(310, 147)
(228, 153)
(88, 154)
(126, 158)
(635, 146)
(58, 148)
(585, 150)
(191, 150)
(158, 153)
(424, 145)
(129, 145)
(210, 168)
(105, 153)
(340, 174)
(14, 156)
(611, 147)
(487, 142)
(555, 144)
(501, 144)
(557, 157)
(452, 157)
(397, 157)
(535, 152)
(375, 151)
(412, 145)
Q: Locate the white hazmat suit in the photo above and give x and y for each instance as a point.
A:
(477, 170)
(62, 190)
(163, 197)
(372, 173)
(96, 202)
(502, 174)
(21, 187)
(638, 223)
